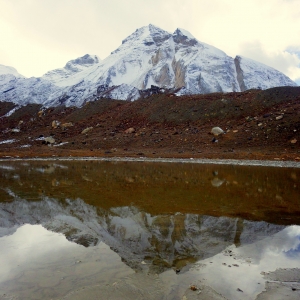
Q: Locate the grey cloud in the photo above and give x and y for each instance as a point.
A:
(283, 61)
(52, 32)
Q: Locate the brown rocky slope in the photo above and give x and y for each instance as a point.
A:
(257, 124)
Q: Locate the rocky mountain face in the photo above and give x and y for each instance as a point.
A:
(149, 57)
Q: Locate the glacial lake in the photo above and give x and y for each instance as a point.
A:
(146, 230)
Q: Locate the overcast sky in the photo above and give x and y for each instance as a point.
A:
(40, 35)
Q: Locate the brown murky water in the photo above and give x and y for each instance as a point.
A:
(145, 230)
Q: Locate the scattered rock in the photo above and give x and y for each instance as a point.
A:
(217, 131)
(86, 130)
(279, 117)
(15, 130)
(193, 288)
(293, 141)
(130, 130)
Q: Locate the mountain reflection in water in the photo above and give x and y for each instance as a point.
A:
(167, 214)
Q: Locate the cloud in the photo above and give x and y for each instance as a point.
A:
(37, 36)
(284, 61)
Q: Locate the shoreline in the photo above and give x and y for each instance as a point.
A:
(236, 162)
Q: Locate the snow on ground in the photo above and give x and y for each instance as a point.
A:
(8, 141)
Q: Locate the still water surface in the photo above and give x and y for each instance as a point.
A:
(145, 230)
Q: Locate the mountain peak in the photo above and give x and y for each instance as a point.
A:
(182, 36)
(148, 35)
(184, 33)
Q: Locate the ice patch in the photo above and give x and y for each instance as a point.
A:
(60, 144)
(11, 112)
(8, 141)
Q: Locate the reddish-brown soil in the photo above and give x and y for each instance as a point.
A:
(258, 125)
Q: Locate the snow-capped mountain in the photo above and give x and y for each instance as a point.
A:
(149, 56)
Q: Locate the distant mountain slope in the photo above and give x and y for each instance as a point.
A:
(5, 70)
(71, 69)
(252, 74)
(149, 56)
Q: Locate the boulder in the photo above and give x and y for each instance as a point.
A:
(86, 130)
(216, 182)
(130, 130)
(217, 131)
(66, 125)
(49, 140)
